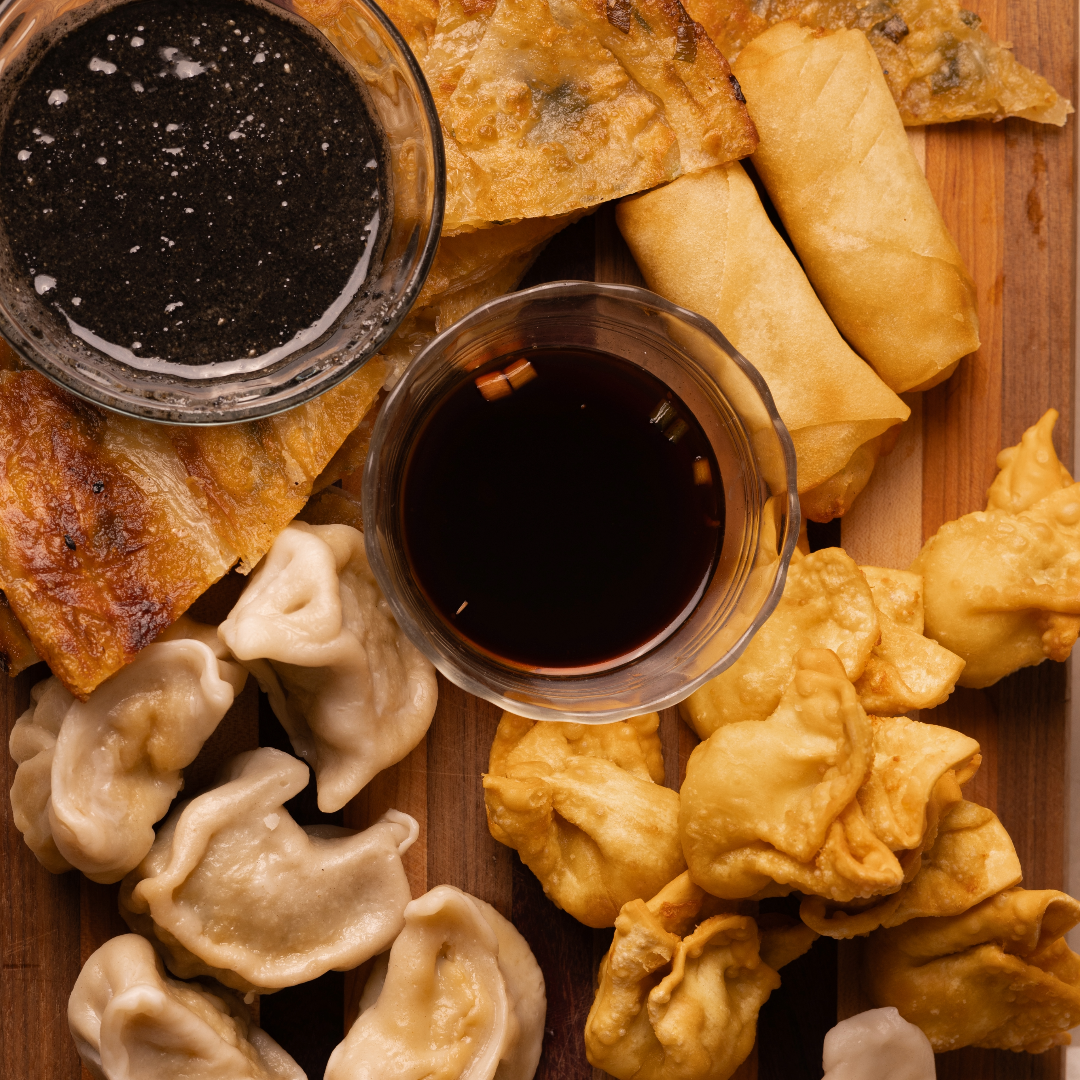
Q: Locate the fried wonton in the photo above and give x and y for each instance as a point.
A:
(681, 986)
(1002, 586)
(870, 617)
(827, 604)
(938, 61)
(585, 807)
(568, 104)
(906, 670)
(971, 858)
(819, 797)
(998, 976)
(111, 527)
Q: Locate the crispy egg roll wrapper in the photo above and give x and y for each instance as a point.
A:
(837, 164)
(706, 243)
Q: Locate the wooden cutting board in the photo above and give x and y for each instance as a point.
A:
(1007, 192)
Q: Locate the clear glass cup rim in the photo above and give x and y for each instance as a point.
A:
(552, 291)
(326, 376)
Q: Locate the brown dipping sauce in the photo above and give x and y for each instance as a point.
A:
(570, 521)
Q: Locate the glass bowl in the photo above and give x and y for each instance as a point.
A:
(733, 406)
(399, 100)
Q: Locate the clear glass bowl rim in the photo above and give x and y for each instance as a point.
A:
(551, 291)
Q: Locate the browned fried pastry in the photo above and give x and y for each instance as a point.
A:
(561, 107)
(1002, 586)
(906, 670)
(681, 986)
(705, 242)
(971, 858)
(938, 61)
(841, 172)
(871, 618)
(999, 975)
(819, 797)
(111, 527)
(16, 652)
(585, 807)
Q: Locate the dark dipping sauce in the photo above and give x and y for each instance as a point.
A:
(192, 182)
(578, 518)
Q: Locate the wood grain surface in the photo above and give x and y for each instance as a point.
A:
(1007, 194)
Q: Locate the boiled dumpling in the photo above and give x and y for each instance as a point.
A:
(469, 989)
(235, 889)
(354, 694)
(95, 775)
(878, 1044)
(131, 1022)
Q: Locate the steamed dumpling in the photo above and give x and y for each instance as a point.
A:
(131, 1022)
(471, 991)
(235, 889)
(354, 694)
(95, 775)
(878, 1044)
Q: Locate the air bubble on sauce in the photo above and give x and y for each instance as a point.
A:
(57, 97)
(106, 67)
(43, 284)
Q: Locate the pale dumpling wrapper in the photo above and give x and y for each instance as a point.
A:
(681, 986)
(585, 807)
(1002, 586)
(235, 889)
(354, 694)
(970, 859)
(94, 776)
(878, 1044)
(130, 1021)
(818, 797)
(471, 992)
(999, 975)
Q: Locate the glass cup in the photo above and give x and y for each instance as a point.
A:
(398, 100)
(732, 404)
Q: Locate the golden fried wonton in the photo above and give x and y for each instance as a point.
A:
(999, 975)
(585, 807)
(819, 797)
(827, 604)
(939, 63)
(681, 986)
(1002, 586)
(971, 859)
(871, 618)
(906, 670)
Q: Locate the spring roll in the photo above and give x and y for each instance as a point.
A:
(706, 243)
(836, 162)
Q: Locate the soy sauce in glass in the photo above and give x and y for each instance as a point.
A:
(563, 510)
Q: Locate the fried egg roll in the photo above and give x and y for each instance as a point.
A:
(836, 162)
(706, 243)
